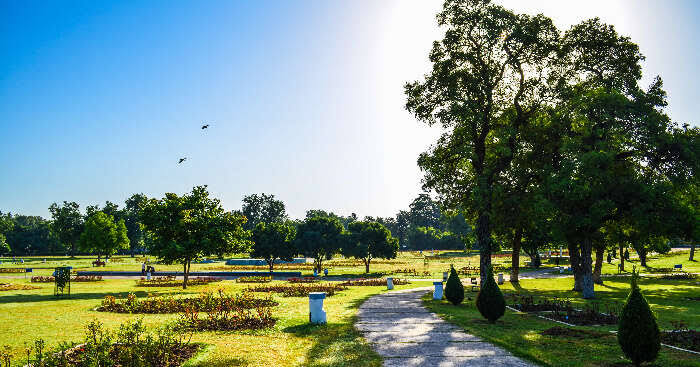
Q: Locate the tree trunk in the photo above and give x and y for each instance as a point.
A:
(367, 265)
(622, 259)
(270, 263)
(586, 273)
(186, 274)
(692, 251)
(599, 253)
(643, 257)
(575, 259)
(483, 233)
(515, 257)
(319, 264)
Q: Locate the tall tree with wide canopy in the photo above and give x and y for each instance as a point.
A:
(369, 240)
(272, 241)
(319, 238)
(103, 236)
(185, 228)
(262, 208)
(488, 80)
(67, 224)
(132, 218)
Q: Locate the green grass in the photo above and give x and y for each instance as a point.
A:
(32, 314)
(521, 333)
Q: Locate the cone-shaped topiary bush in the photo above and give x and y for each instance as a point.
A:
(454, 290)
(490, 301)
(638, 333)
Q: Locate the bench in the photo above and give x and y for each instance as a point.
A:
(475, 285)
(678, 266)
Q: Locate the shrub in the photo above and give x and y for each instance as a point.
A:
(204, 302)
(259, 279)
(638, 333)
(15, 287)
(454, 290)
(299, 290)
(81, 278)
(372, 282)
(171, 281)
(489, 300)
(220, 319)
(302, 280)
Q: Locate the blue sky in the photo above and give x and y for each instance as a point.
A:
(98, 100)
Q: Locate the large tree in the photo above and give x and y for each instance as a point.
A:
(132, 218)
(103, 236)
(185, 228)
(272, 241)
(369, 240)
(67, 224)
(262, 208)
(319, 238)
(488, 80)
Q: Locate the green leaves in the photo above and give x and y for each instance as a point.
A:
(103, 236)
(274, 241)
(369, 240)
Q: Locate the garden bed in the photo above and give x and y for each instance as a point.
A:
(299, 290)
(172, 281)
(80, 278)
(12, 270)
(204, 302)
(16, 287)
(562, 310)
(227, 320)
(574, 333)
(303, 280)
(364, 282)
(260, 279)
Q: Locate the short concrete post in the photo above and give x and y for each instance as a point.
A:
(316, 313)
(389, 283)
(437, 293)
(500, 278)
(148, 276)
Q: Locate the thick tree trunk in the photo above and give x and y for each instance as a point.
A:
(599, 253)
(186, 271)
(692, 251)
(643, 257)
(515, 257)
(587, 267)
(367, 265)
(575, 259)
(483, 233)
(622, 259)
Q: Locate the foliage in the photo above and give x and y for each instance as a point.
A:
(103, 236)
(299, 290)
(80, 279)
(223, 319)
(272, 241)
(258, 279)
(191, 226)
(132, 219)
(171, 281)
(369, 240)
(302, 280)
(319, 238)
(637, 332)
(203, 302)
(372, 282)
(67, 223)
(454, 290)
(15, 287)
(489, 300)
(262, 208)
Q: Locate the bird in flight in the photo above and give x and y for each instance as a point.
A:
(181, 160)
(205, 126)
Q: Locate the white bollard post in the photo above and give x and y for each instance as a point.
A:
(437, 293)
(316, 313)
(389, 283)
(148, 276)
(500, 278)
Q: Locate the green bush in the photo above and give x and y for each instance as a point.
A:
(638, 333)
(490, 301)
(454, 290)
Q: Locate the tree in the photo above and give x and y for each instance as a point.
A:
(4, 247)
(637, 332)
(103, 236)
(369, 240)
(67, 224)
(185, 228)
(488, 80)
(424, 212)
(489, 300)
(132, 219)
(319, 238)
(454, 290)
(273, 241)
(262, 208)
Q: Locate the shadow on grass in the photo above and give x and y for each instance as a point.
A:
(25, 298)
(337, 344)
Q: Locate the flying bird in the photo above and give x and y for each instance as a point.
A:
(181, 160)
(205, 126)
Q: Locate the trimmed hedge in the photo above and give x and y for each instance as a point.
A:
(638, 333)
(490, 301)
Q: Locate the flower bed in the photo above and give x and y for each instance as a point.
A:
(363, 282)
(682, 337)
(299, 290)
(235, 319)
(171, 281)
(12, 270)
(303, 280)
(258, 279)
(204, 302)
(562, 310)
(15, 287)
(679, 276)
(80, 278)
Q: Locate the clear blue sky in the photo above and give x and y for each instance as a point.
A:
(98, 100)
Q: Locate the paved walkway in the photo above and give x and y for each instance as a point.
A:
(405, 333)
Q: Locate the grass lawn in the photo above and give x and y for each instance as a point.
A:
(521, 333)
(28, 315)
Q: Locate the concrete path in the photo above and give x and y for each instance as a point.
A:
(405, 333)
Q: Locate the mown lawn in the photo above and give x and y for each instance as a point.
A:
(28, 315)
(521, 333)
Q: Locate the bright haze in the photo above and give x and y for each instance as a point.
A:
(304, 98)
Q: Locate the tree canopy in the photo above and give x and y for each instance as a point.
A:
(262, 208)
(369, 240)
(103, 236)
(272, 241)
(319, 238)
(67, 224)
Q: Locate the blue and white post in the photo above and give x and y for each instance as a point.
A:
(389, 283)
(437, 293)
(316, 313)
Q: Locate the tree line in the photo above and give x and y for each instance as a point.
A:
(549, 138)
